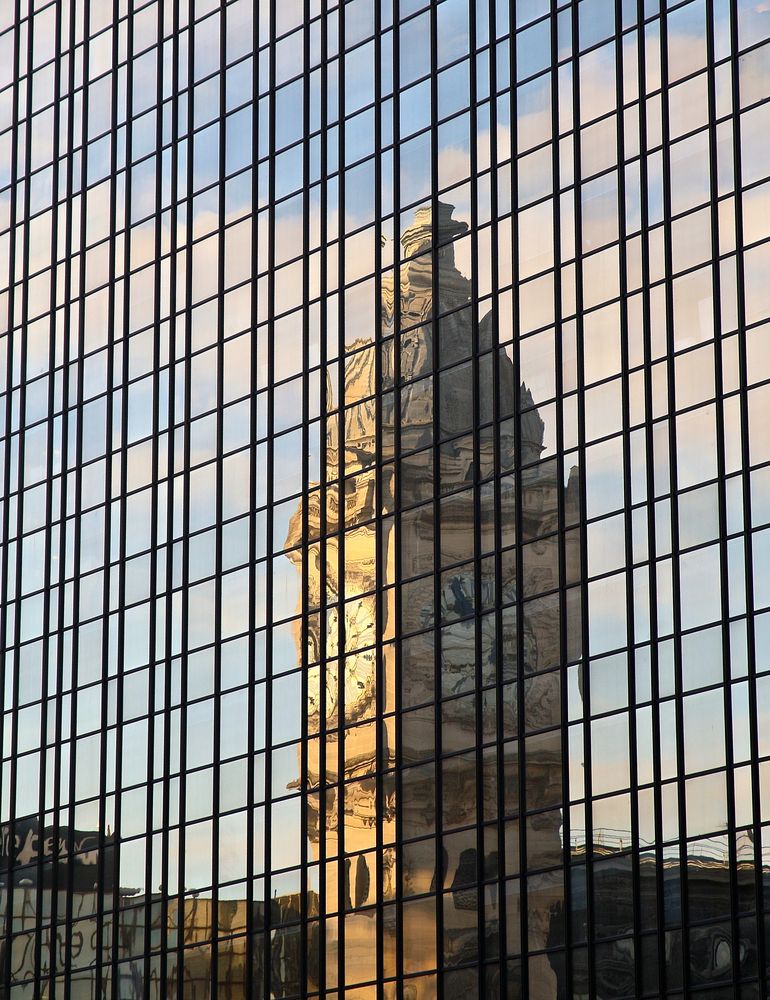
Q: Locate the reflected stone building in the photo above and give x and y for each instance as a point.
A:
(374, 840)
(384, 500)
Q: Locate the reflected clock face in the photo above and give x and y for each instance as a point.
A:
(323, 687)
(457, 595)
(360, 685)
(360, 680)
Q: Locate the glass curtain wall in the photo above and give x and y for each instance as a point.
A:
(385, 505)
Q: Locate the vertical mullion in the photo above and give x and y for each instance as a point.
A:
(435, 238)
(122, 459)
(60, 650)
(16, 290)
(46, 667)
(324, 923)
(327, 445)
(519, 495)
(723, 526)
(218, 563)
(561, 492)
(583, 541)
(8, 422)
(167, 963)
(759, 864)
(77, 473)
(184, 351)
(397, 492)
(649, 496)
(479, 616)
(268, 330)
(254, 927)
(499, 888)
(106, 873)
(382, 761)
(341, 638)
(307, 430)
(673, 507)
(627, 492)
(154, 722)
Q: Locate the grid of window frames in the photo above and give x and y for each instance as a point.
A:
(385, 508)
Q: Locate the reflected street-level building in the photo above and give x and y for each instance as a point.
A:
(385, 512)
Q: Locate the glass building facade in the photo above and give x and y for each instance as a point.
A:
(385, 504)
